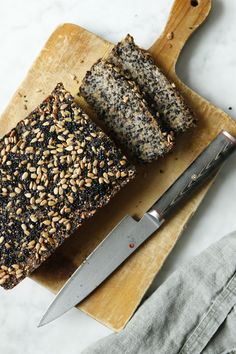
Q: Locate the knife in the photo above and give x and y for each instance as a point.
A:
(129, 234)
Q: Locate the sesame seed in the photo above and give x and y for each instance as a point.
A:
(33, 218)
(68, 226)
(74, 189)
(14, 149)
(3, 267)
(18, 211)
(52, 230)
(31, 244)
(81, 183)
(88, 180)
(64, 106)
(15, 266)
(19, 275)
(24, 227)
(69, 148)
(91, 175)
(17, 190)
(71, 199)
(43, 248)
(60, 190)
(122, 162)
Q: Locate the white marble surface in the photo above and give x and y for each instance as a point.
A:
(207, 64)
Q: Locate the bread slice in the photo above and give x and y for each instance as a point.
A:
(56, 169)
(160, 92)
(119, 103)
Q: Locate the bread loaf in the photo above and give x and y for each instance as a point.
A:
(56, 169)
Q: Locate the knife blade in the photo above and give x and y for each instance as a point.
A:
(129, 234)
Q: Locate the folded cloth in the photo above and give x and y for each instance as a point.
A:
(193, 312)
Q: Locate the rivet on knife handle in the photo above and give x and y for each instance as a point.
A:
(202, 167)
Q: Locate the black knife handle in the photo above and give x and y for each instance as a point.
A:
(200, 169)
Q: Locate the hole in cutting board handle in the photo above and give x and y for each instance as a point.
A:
(194, 3)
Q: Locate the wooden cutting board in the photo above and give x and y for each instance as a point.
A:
(68, 54)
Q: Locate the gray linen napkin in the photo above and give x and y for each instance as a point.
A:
(193, 312)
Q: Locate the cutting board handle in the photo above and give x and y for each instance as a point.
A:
(185, 17)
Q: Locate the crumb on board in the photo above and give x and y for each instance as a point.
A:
(170, 36)
(74, 78)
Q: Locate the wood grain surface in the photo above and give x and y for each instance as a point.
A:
(69, 52)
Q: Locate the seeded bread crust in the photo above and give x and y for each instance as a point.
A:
(56, 169)
(160, 92)
(119, 103)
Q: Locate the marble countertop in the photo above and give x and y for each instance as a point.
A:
(207, 65)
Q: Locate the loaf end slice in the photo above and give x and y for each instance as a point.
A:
(160, 92)
(56, 169)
